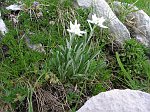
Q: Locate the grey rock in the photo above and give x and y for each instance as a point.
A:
(137, 20)
(85, 3)
(14, 7)
(3, 28)
(101, 8)
(35, 47)
(118, 101)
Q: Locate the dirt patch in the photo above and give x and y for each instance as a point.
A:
(54, 98)
(51, 98)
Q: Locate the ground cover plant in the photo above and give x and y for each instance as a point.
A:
(46, 65)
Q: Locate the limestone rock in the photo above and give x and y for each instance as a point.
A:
(14, 7)
(3, 28)
(118, 101)
(35, 47)
(101, 8)
(85, 3)
(137, 20)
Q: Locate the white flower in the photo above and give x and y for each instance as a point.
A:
(3, 27)
(14, 7)
(75, 29)
(97, 21)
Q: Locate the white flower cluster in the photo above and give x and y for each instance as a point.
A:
(97, 21)
(75, 28)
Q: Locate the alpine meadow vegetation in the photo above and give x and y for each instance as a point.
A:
(51, 51)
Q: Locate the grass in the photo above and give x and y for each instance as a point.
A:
(70, 75)
(141, 4)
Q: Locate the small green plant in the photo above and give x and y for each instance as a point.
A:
(127, 75)
(78, 59)
(133, 56)
(124, 9)
(134, 64)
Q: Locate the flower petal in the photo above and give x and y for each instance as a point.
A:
(75, 28)
(90, 21)
(102, 26)
(97, 21)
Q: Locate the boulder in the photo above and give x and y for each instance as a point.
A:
(118, 101)
(3, 28)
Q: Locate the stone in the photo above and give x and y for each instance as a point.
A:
(3, 28)
(85, 3)
(137, 20)
(35, 47)
(14, 7)
(101, 8)
(118, 101)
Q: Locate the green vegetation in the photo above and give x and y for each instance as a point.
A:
(141, 4)
(71, 69)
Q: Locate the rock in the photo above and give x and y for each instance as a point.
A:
(118, 101)
(137, 20)
(85, 3)
(101, 8)
(14, 7)
(35, 47)
(3, 28)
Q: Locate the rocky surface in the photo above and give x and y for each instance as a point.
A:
(3, 28)
(118, 101)
(137, 20)
(101, 8)
(85, 3)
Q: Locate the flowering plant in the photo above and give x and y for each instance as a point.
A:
(76, 59)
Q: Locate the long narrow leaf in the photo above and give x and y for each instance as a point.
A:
(131, 82)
